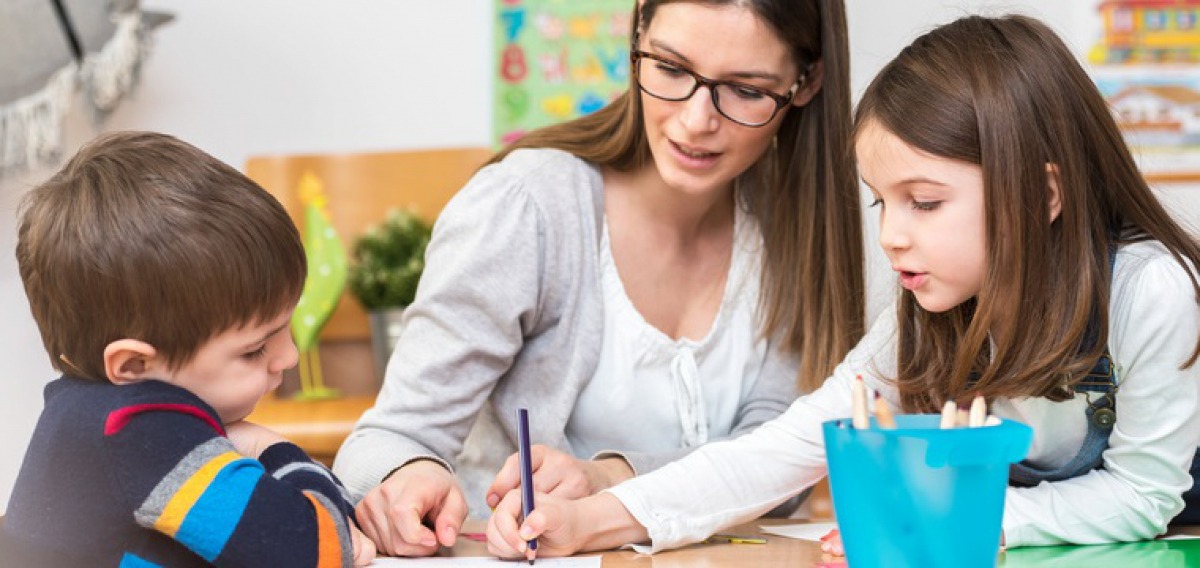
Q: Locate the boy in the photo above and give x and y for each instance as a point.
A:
(163, 283)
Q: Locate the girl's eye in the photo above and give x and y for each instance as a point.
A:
(257, 353)
(926, 205)
(877, 203)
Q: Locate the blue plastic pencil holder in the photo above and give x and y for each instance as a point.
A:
(919, 496)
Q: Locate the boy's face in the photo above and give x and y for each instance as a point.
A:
(236, 368)
(931, 217)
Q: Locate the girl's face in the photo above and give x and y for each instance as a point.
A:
(695, 149)
(931, 213)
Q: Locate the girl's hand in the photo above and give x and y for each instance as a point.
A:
(554, 523)
(364, 548)
(559, 474)
(832, 543)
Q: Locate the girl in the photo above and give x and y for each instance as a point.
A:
(1031, 253)
(541, 288)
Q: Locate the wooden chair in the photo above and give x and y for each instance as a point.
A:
(361, 189)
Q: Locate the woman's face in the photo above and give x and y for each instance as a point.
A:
(695, 148)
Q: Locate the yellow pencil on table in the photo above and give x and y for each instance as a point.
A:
(734, 539)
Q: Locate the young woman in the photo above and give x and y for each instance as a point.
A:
(645, 279)
(1039, 271)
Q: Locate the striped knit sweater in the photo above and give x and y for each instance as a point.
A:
(142, 475)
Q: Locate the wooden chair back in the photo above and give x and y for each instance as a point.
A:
(361, 189)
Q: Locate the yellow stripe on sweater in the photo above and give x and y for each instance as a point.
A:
(181, 503)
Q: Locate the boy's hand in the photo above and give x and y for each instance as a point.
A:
(560, 474)
(393, 514)
(251, 439)
(364, 549)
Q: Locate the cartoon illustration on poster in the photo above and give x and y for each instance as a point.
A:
(557, 60)
(1146, 62)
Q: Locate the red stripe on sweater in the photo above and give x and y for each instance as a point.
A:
(119, 418)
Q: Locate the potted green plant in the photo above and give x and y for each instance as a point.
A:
(387, 261)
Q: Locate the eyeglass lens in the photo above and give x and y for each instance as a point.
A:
(671, 82)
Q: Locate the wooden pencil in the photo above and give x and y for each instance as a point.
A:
(883, 413)
(949, 415)
(859, 404)
(978, 412)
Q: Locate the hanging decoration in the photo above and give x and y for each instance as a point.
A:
(52, 50)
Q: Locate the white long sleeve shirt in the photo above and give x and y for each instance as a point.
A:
(1154, 323)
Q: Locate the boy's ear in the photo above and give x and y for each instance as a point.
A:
(127, 361)
(1055, 192)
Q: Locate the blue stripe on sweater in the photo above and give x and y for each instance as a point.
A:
(212, 520)
(131, 560)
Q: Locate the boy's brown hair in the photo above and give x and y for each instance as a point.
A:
(143, 236)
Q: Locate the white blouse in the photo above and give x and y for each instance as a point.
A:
(653, 393)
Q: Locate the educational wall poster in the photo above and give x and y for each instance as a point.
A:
(557, 60)
(1146, 62)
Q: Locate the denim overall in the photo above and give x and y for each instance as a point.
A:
(1101, 385)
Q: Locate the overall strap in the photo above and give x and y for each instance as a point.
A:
(1100, 386)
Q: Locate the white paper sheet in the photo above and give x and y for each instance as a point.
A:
(803, 531)
(485, 561)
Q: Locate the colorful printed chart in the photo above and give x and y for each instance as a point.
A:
(557, 60)
(1146, 62)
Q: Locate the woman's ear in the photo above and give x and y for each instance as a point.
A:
(812, 84)
(128, 361)
(1055, 191)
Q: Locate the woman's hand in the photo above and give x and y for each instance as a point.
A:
(559, 474)
(250, 439)
(393, 514)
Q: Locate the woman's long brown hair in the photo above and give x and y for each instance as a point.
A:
(1008, 95)
(804, 194)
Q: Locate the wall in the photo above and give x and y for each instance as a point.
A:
(284, 76)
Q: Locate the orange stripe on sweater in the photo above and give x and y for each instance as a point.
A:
(329, 548)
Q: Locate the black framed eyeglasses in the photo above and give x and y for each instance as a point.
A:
(744, 104)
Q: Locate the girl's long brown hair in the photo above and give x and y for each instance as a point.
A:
(804, 194)
(1008, 95)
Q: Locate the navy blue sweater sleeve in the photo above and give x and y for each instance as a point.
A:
(183, 478)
